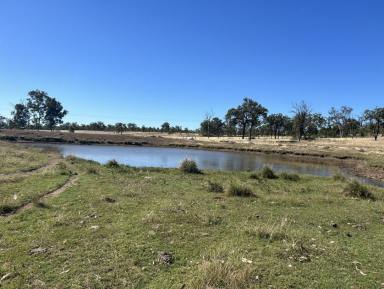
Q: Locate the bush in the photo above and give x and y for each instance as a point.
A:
(254, 176)
(290, 177)
(238, 190)
(189, 166)
(112, 164)
(92, 170)
(339, 177)
(215, 187)
(357, 190)
(268, 173)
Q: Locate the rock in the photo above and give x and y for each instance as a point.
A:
(165, 258)
(39, 250)
(334, 225)
(349, 234)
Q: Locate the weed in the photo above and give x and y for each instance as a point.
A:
(215, 187)
(268, 173)
(357, 190)
(290, 177)
(238, 190)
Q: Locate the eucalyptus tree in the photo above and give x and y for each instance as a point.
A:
(165, 127)
(20, 116)
(254, 112)
(120, 127)
(301, 119)
(36, 103)
(54, 112)
(375, 119)
(276, 123)
(339, 118)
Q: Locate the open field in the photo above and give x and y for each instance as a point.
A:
(111, 227)
(362, 156)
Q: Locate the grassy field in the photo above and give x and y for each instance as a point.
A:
(121, 227)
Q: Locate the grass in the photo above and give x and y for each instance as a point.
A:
(108, 229)
(268, 173)
(15, 158)
(215, 187)
(356, 190)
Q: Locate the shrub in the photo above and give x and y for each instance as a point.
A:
(254, 176)
(339, 177)
(357, 190)
(92, 170)
(112, 164)
(270, 232)
(290, 177)
(189, 166)
(238, 190)
(215, 187)
(268, 173)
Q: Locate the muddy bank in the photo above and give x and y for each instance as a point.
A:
(354, 163)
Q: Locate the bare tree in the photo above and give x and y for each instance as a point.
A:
(302, 114)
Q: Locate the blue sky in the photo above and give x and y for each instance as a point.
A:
(149, 61)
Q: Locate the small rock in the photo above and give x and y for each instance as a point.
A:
(39, 250)
(349, 234)
(334, 225)
(95, 227)
(165, 257)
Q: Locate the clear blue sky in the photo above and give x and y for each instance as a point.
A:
(149, 61)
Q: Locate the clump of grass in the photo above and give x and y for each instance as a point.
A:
(254, 176)
(270, 232)
(299, 251)
(357, 190)
(216, 273)
(6, 209)
(339, 177)
(268, 173)
(215, 187)
(189, 166)
(290, 177)
(238, 190)
(92, 170)
(112, 164)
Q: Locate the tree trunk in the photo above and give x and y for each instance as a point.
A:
(250, 132)
(243, 132)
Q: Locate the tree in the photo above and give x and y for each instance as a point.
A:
(132, 127)
(97, 126)
(276, 123)
(3, 122)
(120, 127)
(253, 112)
(215, 127)
(36, 105)
(339, 118)
(302, 114)
(20, 115)
(54, 112)
(231, 121)
(375, 118)
(165, 127)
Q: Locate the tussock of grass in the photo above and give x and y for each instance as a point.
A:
(215, 187)
(290, 177)
(217, 273)
(339, 177)
(189, 166)
(268, 173)
(357, 190)
(239, 190)
(270, 232)
(112, 164)
(254, 176)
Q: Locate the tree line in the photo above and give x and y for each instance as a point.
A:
(251, 118)
(40, 111)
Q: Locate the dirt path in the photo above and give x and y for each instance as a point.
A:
(69, 183)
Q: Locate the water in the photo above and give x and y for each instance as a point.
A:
(138, 156)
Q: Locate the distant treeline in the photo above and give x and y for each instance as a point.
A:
(253, 119)
(40, 111)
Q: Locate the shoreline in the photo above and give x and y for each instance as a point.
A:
(353, 163)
